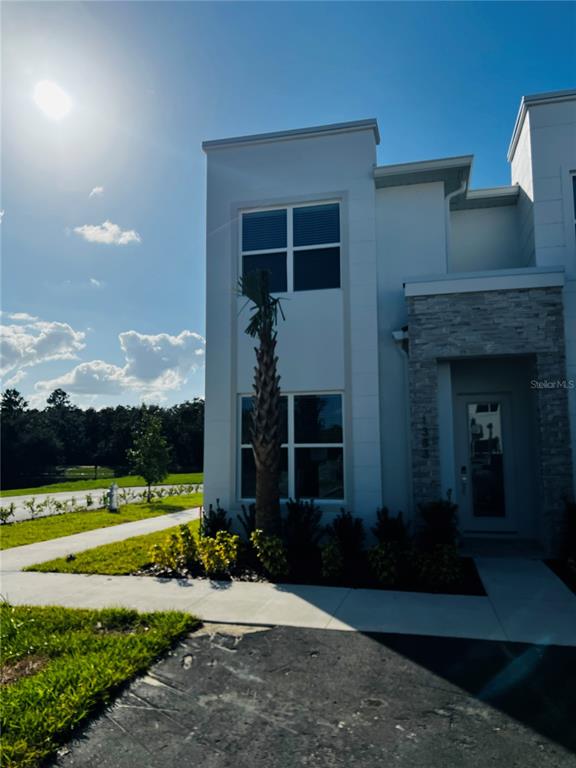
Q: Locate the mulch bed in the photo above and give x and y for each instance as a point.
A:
(469, 582)
(29, 665)
(564, 571)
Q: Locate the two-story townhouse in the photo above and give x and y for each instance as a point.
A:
(430, 335)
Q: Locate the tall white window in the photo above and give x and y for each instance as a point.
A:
(299, 246)
(312, 459)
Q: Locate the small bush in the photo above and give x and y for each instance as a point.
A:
(439, 522)
(347, 534)
(383, 560)
(177, 554)
(7, 512)
(248, 520)
(390, 529)
(214, 520)
(271, 554)
(437, 567)
(302, 531)
(332, 560)
(218, 554)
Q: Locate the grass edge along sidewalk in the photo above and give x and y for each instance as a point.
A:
(56, 526)
(61, 665)
(127, 481)
(120, 558)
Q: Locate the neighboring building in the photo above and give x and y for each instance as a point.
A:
(430, 334)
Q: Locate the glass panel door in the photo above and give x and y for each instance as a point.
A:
(487, 482)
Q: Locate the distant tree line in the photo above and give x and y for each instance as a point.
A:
(34, 442)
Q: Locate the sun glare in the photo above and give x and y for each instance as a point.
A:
(52, 100)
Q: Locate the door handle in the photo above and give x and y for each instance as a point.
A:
(463, 478)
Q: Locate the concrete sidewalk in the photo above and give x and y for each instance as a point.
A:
(525, 601)
(23, 513)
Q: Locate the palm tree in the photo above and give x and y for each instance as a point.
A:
(265, 430)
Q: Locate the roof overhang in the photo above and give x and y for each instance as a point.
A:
(486, 198)
(301, 133)
(537, 99)
(453, 171)
(490, 280)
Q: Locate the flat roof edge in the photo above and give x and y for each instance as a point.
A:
(422, 166)
(297, 133)
(533, 100)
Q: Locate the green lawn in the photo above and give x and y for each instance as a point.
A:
(118, 559)
(128, 481)
(60, 665)
(52, 527)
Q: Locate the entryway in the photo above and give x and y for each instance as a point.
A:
(494, 443)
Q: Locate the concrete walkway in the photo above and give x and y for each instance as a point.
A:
(526, 602)
(16, 558)
(23, 513)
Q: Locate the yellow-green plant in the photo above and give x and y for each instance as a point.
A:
(383, 561)
(218, 554)
(271, 553)
(177, 553)
(332, 560)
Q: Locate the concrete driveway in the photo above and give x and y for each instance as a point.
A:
(233, 697)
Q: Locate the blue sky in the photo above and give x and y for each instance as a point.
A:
(114, 313)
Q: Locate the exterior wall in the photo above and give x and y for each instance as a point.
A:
(329, 339)
(552, 140)
(507, 322)
(404, 251)
(485, 238)
(521, 171)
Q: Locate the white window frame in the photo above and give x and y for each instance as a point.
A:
(290, 248)
(292, 446)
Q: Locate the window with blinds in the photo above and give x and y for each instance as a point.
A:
(299, 246)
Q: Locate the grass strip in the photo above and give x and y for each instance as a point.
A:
(55, 526)
(127, 481)
(86, 656)
(120, 558)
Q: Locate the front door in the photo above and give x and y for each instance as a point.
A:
(484, 444)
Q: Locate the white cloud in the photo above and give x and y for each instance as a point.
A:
(36, 341)
(2, 212)
(96, 283)
(97, 192)
(21, 317)
(16, 379)
(108, 234)
(154, 364)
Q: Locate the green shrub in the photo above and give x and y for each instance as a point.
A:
(271, 554)
(302, 531)
(248, 519)
(346, 534)
(332, 560)
(437, 567)
(7, 512)
(214, 520)
(383, 560)
(177, 554)
(439, 522)
(218, 554)
(390, 529)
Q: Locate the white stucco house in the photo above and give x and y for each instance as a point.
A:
(430, 335)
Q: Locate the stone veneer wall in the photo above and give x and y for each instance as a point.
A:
(490, 323)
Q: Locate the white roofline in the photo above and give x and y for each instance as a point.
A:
(489, 280)
(507, 191)
(299, 133)
(535, 99)
(422, 166)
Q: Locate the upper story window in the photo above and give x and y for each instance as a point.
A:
(298, 245)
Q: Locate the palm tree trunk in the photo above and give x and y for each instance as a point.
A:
(266, 437)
